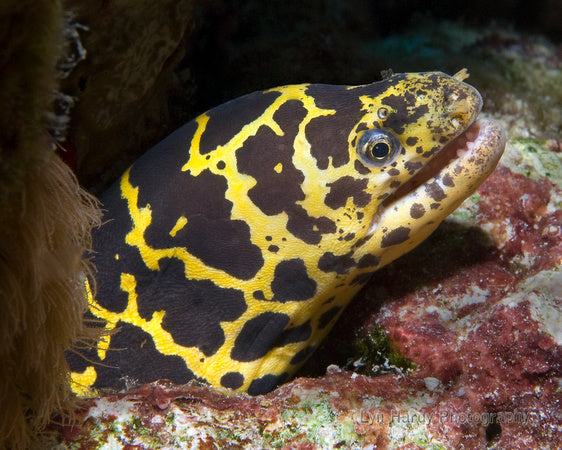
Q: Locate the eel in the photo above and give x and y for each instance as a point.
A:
(230, 249)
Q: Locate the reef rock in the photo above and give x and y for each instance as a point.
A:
(118, 91)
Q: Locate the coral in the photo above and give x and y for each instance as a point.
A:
(45, 227)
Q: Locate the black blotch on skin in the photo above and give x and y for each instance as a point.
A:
(291, 282)
(395, 184)
(209, 234)
(393, 172)
(368, 260)
(360, 241)
(308, 229)
(266, 383)
(109, 240)
(448, 180)
(163, 186)
(134, 356)
(327, 317)
(340, 264)
(361, 127)
(226, 120)
(417, 210)
(361, 168)
(258, 295)
(431, 151)
(412, 167)
(345, 187)
(328, 135)
(302, 355)
(329, 96)
(438, 129)
(434, 205)
(405, 111)
(193, 309)
(221, 165)
(232, 380)
(274, 192)
(435, 191)
(411, 141)
(279, 192)
(108, 288)
(258, 336)
(223, 244)
(299, 333)
(189, 195)
(273, 248)
(394, 237)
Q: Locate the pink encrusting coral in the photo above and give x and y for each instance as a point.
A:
(523, 225)
(490, 333)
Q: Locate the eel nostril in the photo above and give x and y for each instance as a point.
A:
(453, 97)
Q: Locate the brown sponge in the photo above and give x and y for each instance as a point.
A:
(45, 223)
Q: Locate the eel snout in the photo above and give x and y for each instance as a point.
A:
(450, 177)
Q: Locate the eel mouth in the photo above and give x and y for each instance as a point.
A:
(452, 175)
(453, 150)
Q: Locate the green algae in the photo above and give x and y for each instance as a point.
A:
(378, 356)
(467, 212)
(315, 421)
(412, 429)
(532, 158)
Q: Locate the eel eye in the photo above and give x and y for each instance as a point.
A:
(378, 148)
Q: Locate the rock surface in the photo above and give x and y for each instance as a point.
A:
(120, 88)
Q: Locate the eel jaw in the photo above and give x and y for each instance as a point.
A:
(413, 212)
